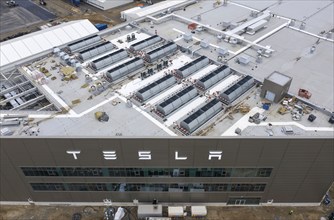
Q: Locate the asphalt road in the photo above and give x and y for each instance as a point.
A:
(35, 9)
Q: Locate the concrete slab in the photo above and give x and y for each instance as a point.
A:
(123, 121)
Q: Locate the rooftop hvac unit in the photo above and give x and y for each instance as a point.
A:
(329, 34)
(56, 50)
(287, 130)
(192, 67)
(187, 37)
(219, 37)
(233, 25)
(72, 62)
(222, 51)
(201, 116)
(226, 24)
(61, 53)
(66, 57)
(233, 41)
(78, 66)
(244, 59)
(204, 44)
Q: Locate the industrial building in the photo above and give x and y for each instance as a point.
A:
(198, 101)
(231, 171)
(107, 4)
(275, 86)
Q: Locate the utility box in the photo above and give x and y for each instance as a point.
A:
(244, 59)
(198, 211)
(101, 27)
(187, 37)
(145, 211)
(275, 87)
(204, 43)
(176, 211)
(222, 51)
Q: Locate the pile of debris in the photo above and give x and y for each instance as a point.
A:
(257, 118)
(101, 116)
(296, 108)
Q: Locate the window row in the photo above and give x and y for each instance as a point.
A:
(142, 187)
(147, 172)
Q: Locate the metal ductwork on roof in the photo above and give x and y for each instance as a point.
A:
(160, 52)
(177, 100)
(234, 92)
(95, 50)
(109, 59)
(204, 114)
(155, 88)
(213, 77)
(192, 67)
(124, 69)
(145, 43)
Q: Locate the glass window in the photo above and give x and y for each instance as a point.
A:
(158, 187)
(146, 172)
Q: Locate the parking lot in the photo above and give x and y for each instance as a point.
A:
(21, 18)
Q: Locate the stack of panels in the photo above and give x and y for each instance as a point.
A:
(192, 67)
(124, 69)
(198, 118)
(236, 90)
(109, 59)
(177, 100)
(155, 88)
(83, 43)
(95, 50)
(213, 77)
(145, 43)
(160, 52)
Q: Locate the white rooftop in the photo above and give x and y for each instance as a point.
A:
(290, 57)
(32, 44)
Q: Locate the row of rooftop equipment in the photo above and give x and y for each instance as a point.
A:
(94, 46)
(185, 95)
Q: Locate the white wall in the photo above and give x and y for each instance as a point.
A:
(108, 4)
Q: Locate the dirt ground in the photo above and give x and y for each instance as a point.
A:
(214, 213)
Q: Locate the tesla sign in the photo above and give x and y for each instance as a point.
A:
(146, 155)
